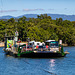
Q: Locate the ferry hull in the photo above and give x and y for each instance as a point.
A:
(42, 55)
(36, 55)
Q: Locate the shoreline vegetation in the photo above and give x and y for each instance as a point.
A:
(40, 29)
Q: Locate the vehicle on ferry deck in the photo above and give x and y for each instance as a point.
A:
(52, 45)
(34, 44)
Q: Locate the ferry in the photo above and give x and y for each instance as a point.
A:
(51, 48)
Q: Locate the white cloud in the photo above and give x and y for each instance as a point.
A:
(8, 11)
(33, 9)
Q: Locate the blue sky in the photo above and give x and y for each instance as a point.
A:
(20, 7)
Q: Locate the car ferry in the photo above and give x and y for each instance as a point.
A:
(53, 49)
(50, 48)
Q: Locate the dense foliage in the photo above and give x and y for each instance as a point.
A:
(41, 29)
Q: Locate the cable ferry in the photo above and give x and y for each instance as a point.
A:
(50, 48)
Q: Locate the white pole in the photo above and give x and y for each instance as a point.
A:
(60, 42)
(26, 47)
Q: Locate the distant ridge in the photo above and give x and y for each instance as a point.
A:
(6, 17)
(53, 16)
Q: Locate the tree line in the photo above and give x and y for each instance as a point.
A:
(41, 29)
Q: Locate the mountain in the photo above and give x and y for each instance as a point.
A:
(64, 17)
(29, 15)
(54, 16)
(6, 17)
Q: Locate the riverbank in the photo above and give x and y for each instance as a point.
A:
(1, 44)
(65, 45)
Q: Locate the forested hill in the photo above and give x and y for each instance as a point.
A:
(41, 29)
(54, 16)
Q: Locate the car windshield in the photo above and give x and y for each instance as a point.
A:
(54, 44)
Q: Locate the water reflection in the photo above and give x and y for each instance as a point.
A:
(52, 64)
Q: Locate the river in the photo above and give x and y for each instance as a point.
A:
(44, 66)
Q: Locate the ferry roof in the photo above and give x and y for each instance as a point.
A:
(34, 41)
(50, 40)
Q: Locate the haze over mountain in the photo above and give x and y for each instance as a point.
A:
(53, 16)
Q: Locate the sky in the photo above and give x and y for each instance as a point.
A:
(20, 7)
